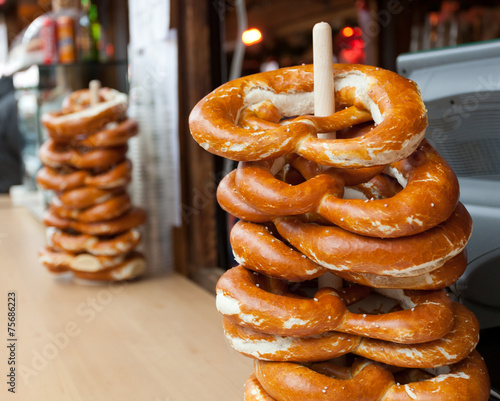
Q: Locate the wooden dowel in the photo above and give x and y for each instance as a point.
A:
(324, 101)
(324, 95)
(94, 87)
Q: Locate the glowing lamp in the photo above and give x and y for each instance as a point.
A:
(251, 36)
(347, 31)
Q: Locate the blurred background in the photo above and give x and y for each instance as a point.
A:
(167, 55)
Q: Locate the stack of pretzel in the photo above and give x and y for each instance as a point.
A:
(92, 224)
(377, 207)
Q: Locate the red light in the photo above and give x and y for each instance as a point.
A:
(251, 36)
(358, 31)
(347, 31)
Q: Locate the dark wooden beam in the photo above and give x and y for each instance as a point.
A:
(197, 239)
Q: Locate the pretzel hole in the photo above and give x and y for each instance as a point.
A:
(81, 102)
(375, 304)
(338, 368)
(407, 376)
(264, 115)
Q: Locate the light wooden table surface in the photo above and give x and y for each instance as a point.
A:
(153, 340)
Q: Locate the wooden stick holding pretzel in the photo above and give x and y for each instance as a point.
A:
(324, 101)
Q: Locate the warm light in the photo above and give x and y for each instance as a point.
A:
(251, 36)
(358, 31)
(347, 31)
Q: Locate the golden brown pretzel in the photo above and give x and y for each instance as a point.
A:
(452, 348)
(132, 219)
(232, 202)
(254, 391)
(256, 248)
(441, 277)
(61, 180)
(81, 262)
(282, 381)
(340, 250)
(429, 196)
(132, 267)
(116, 176)
(77, 243)
(393, 102)
(56, 156)
(83, 197)
(78, 119)
(243, 300)
(107, 210)
(113, 134)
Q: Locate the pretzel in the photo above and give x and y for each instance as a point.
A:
(56, 156)
(81, 262)
(340, 250)
(393, 102)
(426, 178)
(442, 277)
(107, 210)
(365, 380)
(132, 219)
(256, 248)
(133, 266)
(62, 179)
(452, 348)
(78, 243)
(78, 119)
(241, 298)
(233, 203)
(83, 197)
(113, 134)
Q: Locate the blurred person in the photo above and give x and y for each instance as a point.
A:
(11, 170)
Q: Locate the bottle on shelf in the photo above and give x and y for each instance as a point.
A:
(89, 32)
(66, 39)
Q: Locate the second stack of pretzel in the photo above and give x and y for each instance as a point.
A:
(93, 228)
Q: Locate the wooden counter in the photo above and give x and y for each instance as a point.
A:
(153, 340)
